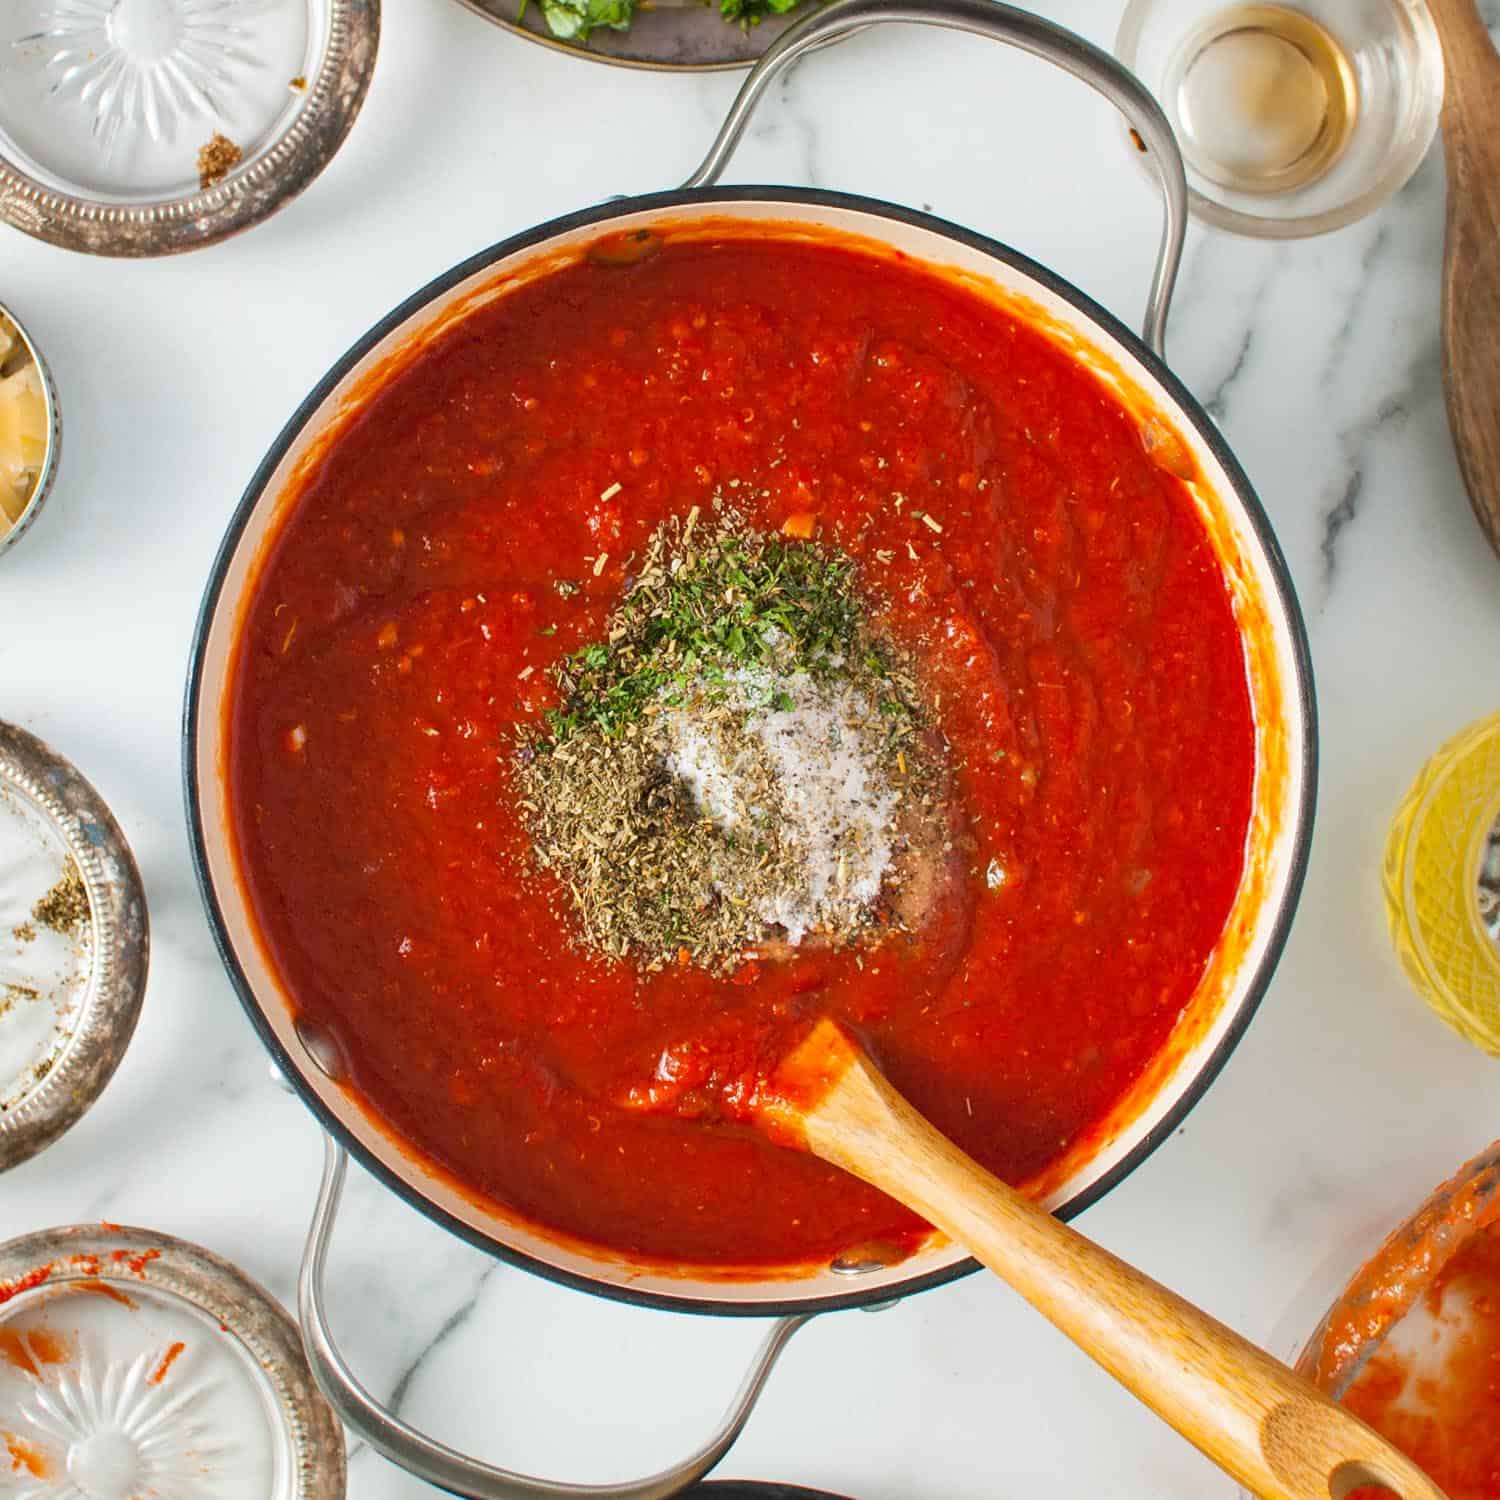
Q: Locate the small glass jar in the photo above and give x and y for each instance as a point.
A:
(1294, 119)
(1442, 883)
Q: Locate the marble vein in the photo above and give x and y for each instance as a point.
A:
(802, 128)
(1216, 402)
(1209, 277)
(1356, 442)
(1386, 390)
(1364, 289)
(449, 1326)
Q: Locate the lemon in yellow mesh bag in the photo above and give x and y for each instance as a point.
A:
(1442, 883)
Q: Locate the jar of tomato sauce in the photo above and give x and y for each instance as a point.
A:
(1412, 1343)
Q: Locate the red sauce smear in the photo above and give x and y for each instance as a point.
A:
(135, 1261)
(1389, 1283)
(1070, 618)
(167, 1361)
(25, 1459)
(33, 1278)
(28, 1351)
(104, 1289)
(1445, 1415)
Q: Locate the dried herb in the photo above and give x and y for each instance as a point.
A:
(696, 614)
(64, 908)
(217, 159)
(25, 933)
(727, 763)
(13, 994)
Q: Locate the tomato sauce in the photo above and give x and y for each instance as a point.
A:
(1073, 631)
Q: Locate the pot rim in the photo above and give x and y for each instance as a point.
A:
(1184, 406)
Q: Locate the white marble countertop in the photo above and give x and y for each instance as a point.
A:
(1343, 1105)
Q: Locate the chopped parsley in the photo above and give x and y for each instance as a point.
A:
(698, 615)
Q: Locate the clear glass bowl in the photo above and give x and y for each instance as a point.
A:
(1293, 119)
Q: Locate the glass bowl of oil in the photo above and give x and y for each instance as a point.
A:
(1293, 119)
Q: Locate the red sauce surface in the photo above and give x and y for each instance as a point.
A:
(1441, 1406)
(1070, 620)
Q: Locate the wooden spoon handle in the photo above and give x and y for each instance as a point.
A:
(1277, 1434)
(1471, 255)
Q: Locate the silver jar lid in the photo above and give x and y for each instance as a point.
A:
(144, 127)
(73, 945)
(132, 1363)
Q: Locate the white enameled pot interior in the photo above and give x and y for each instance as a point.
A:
(1235, 976)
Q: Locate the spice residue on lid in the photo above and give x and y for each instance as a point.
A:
(65, 908)
(217, 158)
(729, 765)
(46, 948)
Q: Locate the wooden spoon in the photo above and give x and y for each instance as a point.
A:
(1270, 1429)
(1471, 258)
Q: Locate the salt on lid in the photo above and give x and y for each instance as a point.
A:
(73, 945)
(133, 1363)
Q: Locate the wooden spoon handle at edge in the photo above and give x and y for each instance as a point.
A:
(1471, 254)
(1274, 1432)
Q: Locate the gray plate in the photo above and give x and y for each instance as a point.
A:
(69, 998)
(688, 38)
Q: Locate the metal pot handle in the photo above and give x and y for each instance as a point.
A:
(1019, 28)
(445, 1467)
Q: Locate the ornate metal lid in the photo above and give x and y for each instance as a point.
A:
(132, 1363)
(143, 127)
(73, 945)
